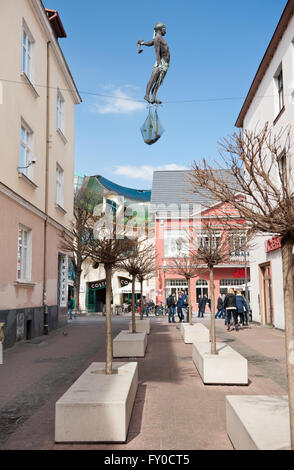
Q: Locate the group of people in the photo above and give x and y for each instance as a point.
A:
(177, 305)
(233, 307)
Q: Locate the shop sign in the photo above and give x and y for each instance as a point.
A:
(239, 273)
(273, 243)
(63, 281)
(98, 285)
(124, 281)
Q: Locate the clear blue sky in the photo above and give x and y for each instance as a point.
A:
(216, 47)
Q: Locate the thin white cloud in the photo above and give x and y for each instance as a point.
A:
(119, 102)
(145, 172)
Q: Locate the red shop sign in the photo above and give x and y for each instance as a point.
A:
(273, 243)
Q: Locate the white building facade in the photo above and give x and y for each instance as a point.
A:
(271, 99)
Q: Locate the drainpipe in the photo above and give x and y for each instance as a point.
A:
(45, 306)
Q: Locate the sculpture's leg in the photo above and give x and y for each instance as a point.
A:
(156, 87)
(152, 82)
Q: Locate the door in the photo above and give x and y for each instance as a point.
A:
(267, 294)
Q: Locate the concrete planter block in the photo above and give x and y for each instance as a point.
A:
(141, 325)
(258, 422)
(98, 407)
(194, 333)
(128, 344)
(227, 367)
(1, 353)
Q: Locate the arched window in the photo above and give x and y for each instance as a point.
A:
(201, 289)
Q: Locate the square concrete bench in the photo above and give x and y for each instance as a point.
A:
(127, 344)
(228, 367)
(141, 325)
(194, 333)
(258, 422)
(98, 407)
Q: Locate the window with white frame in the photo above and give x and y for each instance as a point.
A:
(176, 244)
(26, 151)
(60, 107)
(237, 246)
(24, 254)
(27, 53)
(59, 186)
(205, 240)
(279, 84)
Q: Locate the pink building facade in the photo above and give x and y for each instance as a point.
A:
(171, 225)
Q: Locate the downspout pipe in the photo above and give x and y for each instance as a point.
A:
(45, 306)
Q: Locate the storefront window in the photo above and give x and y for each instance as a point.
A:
(201, 289)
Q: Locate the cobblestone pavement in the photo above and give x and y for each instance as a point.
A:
(172, 410)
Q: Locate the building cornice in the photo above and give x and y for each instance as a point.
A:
(267, 58)
(41, 15)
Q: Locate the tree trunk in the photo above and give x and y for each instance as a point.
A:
(287, 260)
(212, 312)
(190, 301)
(133, 305)
(108, 365)
(77, 284)
(141, 300)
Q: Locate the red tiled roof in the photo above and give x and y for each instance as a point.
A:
(56, 23)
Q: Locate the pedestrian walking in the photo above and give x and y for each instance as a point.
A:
(180, 305)
(150, 306)
(171, 304)
(144, 306)
(70, 306)
(242, 307)
(231, 309)
(220, 307)
(201, 306)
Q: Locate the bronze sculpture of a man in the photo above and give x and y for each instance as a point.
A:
(162, 62)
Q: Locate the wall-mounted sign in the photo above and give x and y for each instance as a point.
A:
(273, 243)
(124, 281)
(63, 281)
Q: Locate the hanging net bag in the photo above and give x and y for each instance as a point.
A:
(152, 130)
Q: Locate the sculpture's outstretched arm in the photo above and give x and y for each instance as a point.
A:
(147, 43)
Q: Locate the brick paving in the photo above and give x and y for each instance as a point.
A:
(172, 410)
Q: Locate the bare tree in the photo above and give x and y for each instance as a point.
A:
(185, 265)
(132, 266)
(261, 190)
(146, 270)
(108, 246)
(75, 242)
(209, 247)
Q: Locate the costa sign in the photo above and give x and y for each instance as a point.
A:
(273, 243)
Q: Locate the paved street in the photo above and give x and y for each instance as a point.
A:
(173, 409)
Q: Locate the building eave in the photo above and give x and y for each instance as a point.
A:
(266, 60)
(40, 12)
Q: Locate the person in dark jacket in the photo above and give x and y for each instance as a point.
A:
(220, 307)
(180, 304)
(231, 309)
(171, 304)
(202, 304)
(241, 307)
